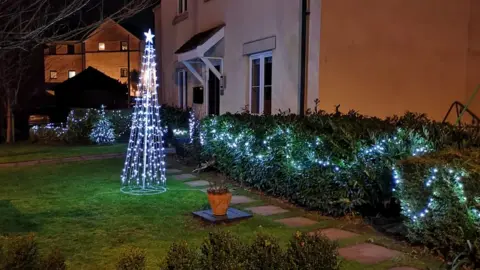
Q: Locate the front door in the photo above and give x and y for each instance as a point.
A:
(213, 93)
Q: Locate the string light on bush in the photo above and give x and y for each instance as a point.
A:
(102, 132)
(458, 189)
(144, 168)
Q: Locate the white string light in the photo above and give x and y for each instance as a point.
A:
(144, 168)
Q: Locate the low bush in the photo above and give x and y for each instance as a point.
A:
(181, 257)
(132, 259)
(222, 250)
(440, 198)
(264, 253)
(312, 252)
(21, 252)
(333, 163)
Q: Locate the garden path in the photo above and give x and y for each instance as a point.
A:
(364, 253)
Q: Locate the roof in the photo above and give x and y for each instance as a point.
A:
(198, 39)
(89, 79)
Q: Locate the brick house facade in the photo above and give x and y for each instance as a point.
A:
(110, 48)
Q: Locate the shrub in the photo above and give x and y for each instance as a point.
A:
(332, 163)
(181, 257)
(54, 261)
(264, 253)
(440, 198)
(222, 251)
(20, 252)
(102, 131)
(132, 259)
(312, 252)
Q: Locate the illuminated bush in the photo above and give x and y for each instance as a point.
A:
(331, 163)
(440, 197)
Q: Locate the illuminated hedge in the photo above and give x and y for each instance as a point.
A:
(332, 163)
(440, 197)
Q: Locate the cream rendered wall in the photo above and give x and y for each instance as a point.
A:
(172, 35)
(249, 20)
(386, 57)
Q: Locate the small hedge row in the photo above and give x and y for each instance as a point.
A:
(329, 162)
(224, 251)
(78, 127)
(21, 252)
(440, 197)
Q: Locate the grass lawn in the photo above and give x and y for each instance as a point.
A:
(78, 208)
(27, 151)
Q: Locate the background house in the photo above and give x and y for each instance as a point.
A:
(377, 57)
(111, 49)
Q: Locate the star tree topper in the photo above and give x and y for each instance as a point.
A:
(149, 36)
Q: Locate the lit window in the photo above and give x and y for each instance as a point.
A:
(182, 6)
(261, 83)
(53, 74)
(124, 72)
(182, 88)
(124, 46)
(101, 46)
(71, 73)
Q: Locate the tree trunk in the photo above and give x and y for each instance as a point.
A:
(9, 123)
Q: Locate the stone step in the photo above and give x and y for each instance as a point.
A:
(198, 183)
(296, 222)
(184, 176)
(267, 210)
(335, 234)
(368, 253)
(238, 199)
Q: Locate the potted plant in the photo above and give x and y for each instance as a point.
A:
(219, 196)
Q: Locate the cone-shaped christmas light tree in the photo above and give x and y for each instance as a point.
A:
(144, 169)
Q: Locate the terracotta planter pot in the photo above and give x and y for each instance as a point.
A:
(219, 203)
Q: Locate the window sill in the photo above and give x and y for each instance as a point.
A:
(180, 17)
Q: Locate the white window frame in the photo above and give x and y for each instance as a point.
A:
(101, 46)
(70, 72)
(261, 57)
(122, 48)
(182, 89)
(182, 6)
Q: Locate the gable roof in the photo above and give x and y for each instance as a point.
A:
(198, 39)
(90, 79)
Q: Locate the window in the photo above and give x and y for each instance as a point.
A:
(261, 83)
(53, 74)
(124, 46)
(182, 88)
(71, 73)
(70, 49)
(101, 46)
(124, 72)
(182, 6)
(52, 49)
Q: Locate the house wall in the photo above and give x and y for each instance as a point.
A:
(171, 33)
(109, 61)
(250, 20)
(386, 57)
(62, 64)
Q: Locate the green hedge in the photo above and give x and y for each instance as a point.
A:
(333, 163)
(440, 198)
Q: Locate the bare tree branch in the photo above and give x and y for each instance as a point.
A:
(28, 23)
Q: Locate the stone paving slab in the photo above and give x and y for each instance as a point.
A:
(335, 234)
(184, 176)
(403, 268)
(173, 171)
(297, 222)
(7, 165)
(238, 199)
(199, 183)
(70, 159)
(267, 210)
(368, 253)
(204, 190)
